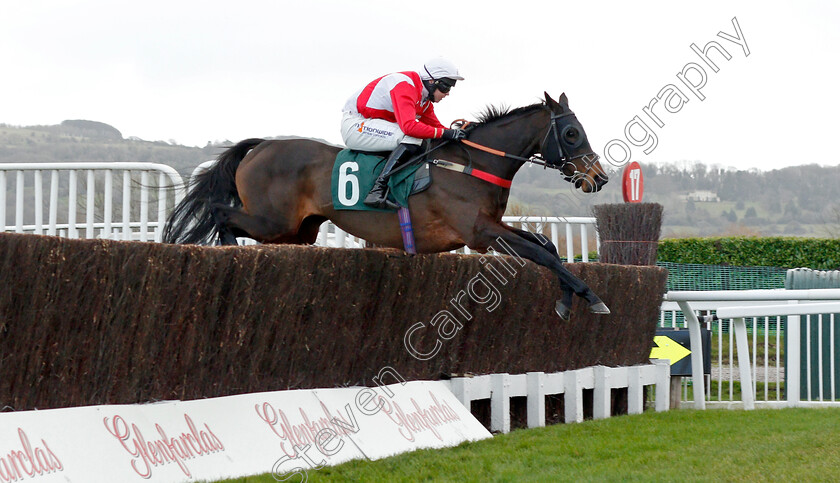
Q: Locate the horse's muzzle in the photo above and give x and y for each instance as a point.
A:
(588, 184)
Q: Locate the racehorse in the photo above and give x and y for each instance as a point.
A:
(279, 191)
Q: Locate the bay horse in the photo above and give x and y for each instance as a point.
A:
(278, 191)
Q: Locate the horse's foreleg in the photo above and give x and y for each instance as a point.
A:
(538, 239)
(527, 245)
(563, 307)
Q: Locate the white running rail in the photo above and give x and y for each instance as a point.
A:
(553, 226)
(153, 189)
(129, 201)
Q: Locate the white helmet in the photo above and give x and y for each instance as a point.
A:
(439, 68)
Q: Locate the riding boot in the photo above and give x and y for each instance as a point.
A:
(378, 196)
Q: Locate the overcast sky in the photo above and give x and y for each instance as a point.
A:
(204, 71)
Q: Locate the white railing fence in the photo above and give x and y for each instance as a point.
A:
(570, 235)
(560, 230)
(535, 386)
(759, 351)
(128, 201)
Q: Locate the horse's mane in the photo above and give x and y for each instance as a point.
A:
(492, 113)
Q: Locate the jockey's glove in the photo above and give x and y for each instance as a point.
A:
(454, 134)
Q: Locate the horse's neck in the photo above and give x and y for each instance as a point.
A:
(520, 137)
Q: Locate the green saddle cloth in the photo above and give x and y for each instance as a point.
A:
(354, 173)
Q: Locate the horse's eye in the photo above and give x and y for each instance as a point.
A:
(571, 134)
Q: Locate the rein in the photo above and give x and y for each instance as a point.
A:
(535, 159)
(481, 147)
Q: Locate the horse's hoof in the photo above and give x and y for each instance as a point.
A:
(562, 310)
(599, 308)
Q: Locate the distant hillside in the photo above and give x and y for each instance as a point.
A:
(704, 201)
(698, 200)
(79, 140)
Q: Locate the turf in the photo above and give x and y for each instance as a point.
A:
(684, 445)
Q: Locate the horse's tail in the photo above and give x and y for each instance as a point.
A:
(192, 221)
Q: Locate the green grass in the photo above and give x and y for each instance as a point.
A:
(684, 445)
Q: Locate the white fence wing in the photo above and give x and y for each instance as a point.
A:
(728, 309)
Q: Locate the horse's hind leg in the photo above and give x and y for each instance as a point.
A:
(232, 222)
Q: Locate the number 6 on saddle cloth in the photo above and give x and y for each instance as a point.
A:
(354, 173)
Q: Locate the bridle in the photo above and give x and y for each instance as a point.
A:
(565, 134)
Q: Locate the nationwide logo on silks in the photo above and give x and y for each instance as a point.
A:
(372, 131)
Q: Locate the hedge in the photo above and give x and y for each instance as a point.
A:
(99, 321)
(784, 252)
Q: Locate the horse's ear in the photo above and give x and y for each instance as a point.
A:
(549, 101)
(563, 99)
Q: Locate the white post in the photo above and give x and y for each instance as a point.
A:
(573, 397)
(602, 397)
(108, 212)
(71, 206)
(584, 242)
(126, 205)
(19, 189)
(697, 381)
(324, 232)
(144, 206)
(635, 390)
(792, 387)
(740, 328)
(535, 382)
(53, 202)
(461, 389)
(663, 384)
(340, 238)
(39, 203)
(500, 402)
(819, 354)
(90, 204)
(570, 243)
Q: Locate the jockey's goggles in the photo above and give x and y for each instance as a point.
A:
(445, 84)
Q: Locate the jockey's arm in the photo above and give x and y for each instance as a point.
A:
(403, 99)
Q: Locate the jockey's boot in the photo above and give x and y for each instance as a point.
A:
(378, 196)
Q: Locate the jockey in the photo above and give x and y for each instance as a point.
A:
(394, 113)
